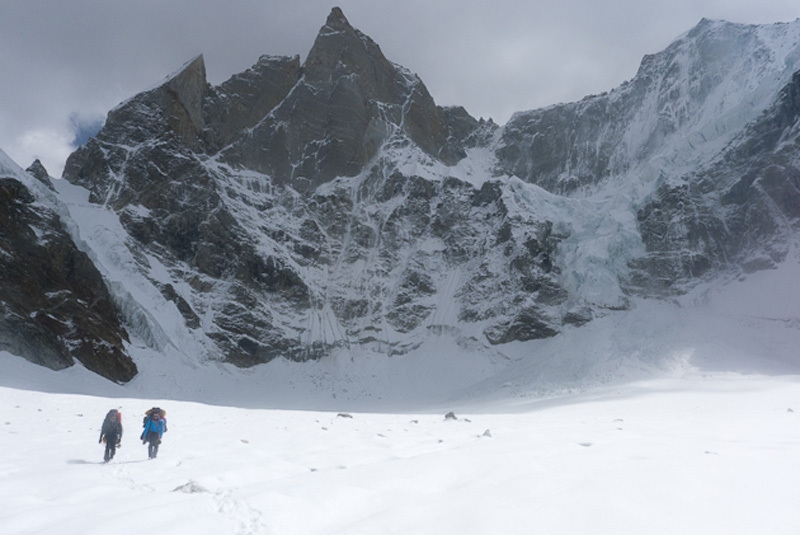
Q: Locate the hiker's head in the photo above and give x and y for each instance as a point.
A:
(156, 416)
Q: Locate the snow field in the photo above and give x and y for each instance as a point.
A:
(701, 454)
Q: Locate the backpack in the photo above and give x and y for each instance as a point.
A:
(155, 410)
(107, 423)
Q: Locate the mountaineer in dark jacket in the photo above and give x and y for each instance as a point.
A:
(111, 433)
(155, 424)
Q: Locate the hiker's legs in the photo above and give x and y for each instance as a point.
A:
(111, 447)
(152, 448)
(153, 440)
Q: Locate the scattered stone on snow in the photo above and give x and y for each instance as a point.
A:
(190, 488)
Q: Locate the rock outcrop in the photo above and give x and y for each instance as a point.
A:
(55, 306)
(349, 102)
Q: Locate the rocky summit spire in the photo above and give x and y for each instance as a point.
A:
(176, 102)
(341, 50)
(350, 102)
(337, 20)
(37, 171)
(189, 87)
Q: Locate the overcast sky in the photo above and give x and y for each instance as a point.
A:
(65, 63)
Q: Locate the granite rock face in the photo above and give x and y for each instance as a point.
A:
(350, 101)
(55, 305)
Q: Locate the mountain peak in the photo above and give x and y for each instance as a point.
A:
(337, 20)
(38, 171)
(341, 50)
(360, 100)
(189, 86)
(195, 67)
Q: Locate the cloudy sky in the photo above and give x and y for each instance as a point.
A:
(64, 64)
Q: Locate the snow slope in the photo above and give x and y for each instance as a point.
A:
(711, 455)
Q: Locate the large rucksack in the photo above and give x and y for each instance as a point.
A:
(155, 410)
(107, 423)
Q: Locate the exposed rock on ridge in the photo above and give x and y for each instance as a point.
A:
(55, 305)
(348, 103)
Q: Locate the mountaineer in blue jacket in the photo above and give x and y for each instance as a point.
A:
(155, 425)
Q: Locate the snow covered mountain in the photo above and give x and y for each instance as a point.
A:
(694, 160)
(298, 210)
